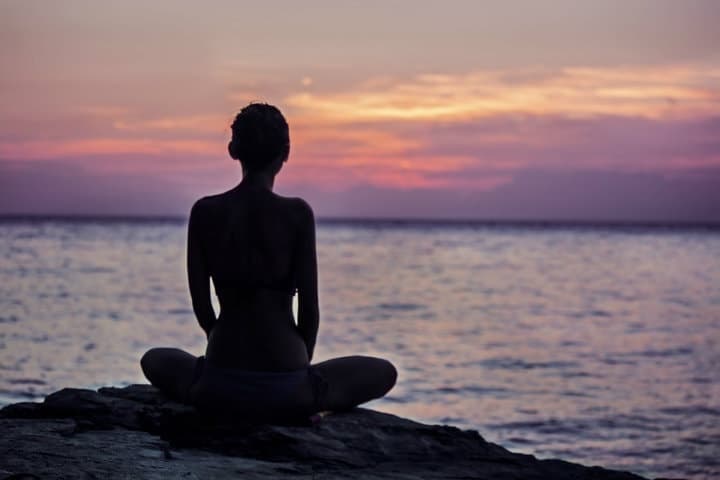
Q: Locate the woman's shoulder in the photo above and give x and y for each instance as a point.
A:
(204, 205)
(299, 207)
(208, 210)
(298, 204)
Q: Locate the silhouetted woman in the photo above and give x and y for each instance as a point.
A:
(259, 250)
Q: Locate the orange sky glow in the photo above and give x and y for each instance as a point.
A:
(79, 97)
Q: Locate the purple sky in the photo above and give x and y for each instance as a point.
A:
(574, 110)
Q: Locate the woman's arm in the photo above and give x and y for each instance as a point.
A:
(308, 311)
(198, 274)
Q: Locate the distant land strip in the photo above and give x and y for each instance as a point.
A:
(411, 222)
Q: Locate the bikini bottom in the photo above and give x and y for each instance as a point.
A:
(258, 396)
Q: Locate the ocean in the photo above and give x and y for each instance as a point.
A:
(592, 343)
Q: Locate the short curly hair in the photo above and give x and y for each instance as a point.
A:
(260, 135)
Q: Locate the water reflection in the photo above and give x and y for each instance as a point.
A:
(596, 346)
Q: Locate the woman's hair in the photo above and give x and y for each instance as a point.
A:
(260, 135)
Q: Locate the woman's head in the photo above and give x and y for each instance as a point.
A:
(260, 137)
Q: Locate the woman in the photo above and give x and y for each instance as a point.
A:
(259, 249)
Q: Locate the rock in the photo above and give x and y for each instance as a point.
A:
(135, 432)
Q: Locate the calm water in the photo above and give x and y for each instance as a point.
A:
(597, 345)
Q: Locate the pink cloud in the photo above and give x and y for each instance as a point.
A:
(475, 132)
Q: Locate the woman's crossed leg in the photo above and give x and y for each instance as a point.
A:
(350, 381)
(354, 380)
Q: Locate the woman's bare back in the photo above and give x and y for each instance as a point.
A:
(254, 245)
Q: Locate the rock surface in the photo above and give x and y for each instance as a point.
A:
(135, 432)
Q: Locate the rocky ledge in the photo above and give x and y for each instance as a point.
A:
(135, 432)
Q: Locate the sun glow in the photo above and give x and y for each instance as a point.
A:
(469, 130)
(576, 92)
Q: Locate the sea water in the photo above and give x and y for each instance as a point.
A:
(594, 344)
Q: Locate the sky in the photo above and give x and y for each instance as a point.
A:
(502, 110)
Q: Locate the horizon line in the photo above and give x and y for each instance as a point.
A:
(386, 221)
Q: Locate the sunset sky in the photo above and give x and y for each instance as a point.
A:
(561, 109)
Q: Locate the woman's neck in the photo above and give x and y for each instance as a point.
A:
(258, 180)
